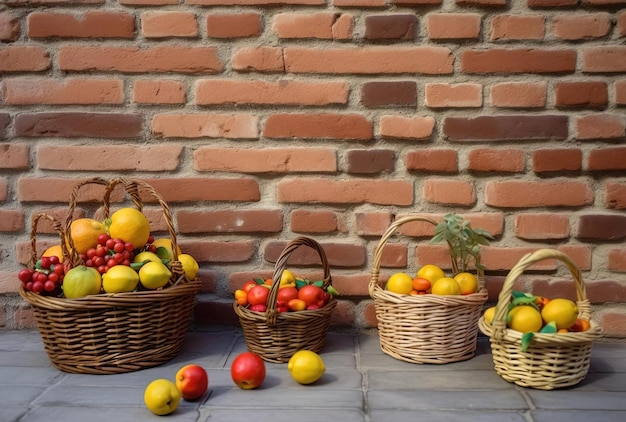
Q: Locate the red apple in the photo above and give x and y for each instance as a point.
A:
(192, 381)
(285, 294)
(258, 295)
(312, 295)
(247, 370)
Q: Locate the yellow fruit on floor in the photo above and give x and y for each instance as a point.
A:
(120, 279)
(430, 272)
(562, 311)
(81, 281)
(167, 251)
(400, 283)
(130, 225)
(146, 256)
(162, 396)
(154, 275)
(190, 265)
(55, 250)
(306, 366)
(489, 314)
(467, 282)
(446, 286)
(525, 319)
(84, 233)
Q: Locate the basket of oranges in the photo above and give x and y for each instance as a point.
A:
(286, 314)
(538, 342)
(107, 299)
(431, 317)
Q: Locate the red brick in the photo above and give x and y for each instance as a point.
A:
(620, 91)
(526, 194)
(147, 2)
(505, 258)
(415, 2)
(557, 160)
(483, 3)
(24, 58)
(603, 59)
(26, 91)
(214, 252)
(54, 189)
(461, 95)
(519, 94)
(287, 92)
(14, 156)
(322, 125)
(517, 27)
(232, 126)
(492, 222)
(360, 3)
(601, 227)
(601, 126)
(9, 27)
(433, 160)
(5, 120)
(314, 221)
(3, 189)
(506, 127)
(607, 158)
(591, 95)
(322, 25)
(542, 226)
(449, 192)
(453, 26)
(338, 254)
(401, 127)
(579, 254)
(265, 160)
(353, 191)
(613, 323)
(616, 261)
(76, 124)
(372, 223)
(615, 195)
(169, 24)
(206, 189)
(394, 255)
(92, 24)
(390, 27)
(230, 221)
(574, 27)
(370, 161)
(253, 2)
(497, 160)
(258, 59)
(236, 25)
(351, 285)
(148, 91)
(518, 60)
(24, 317)
(11, 220)
(621, 24)
(551, 3)
(603, 291)
(384, 94)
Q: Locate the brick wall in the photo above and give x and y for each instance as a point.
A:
(260, 120)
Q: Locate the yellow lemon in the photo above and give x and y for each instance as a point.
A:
(468, 283)
(525, 319)
(431, 273)
(154, 275)
(130, 225)
(120, 279)
(306, 366)
(446, 286)
(146, 256)
(562, 311)
(162, 396)
(489, 314)
(400, 283)
(190, 265)
(167, 251)
(81, 281)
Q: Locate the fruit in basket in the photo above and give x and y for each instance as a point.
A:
(312, 295)
(258, 295)
(431, 272)
(287, 279)
(489, 314)
(306, 367)
(192, 380)
(190, 265)
(400, 283)
(55, 250)
(162, 396)
(580, 325)
(525, 319)
(248, 370)
(296, 305)
(146, 256)
(285, 294)
(154, 275)
(562, 311)
(163, 248)
(241, 297)
(81, 281)
(108, 253)
(421, 285)
(467, 282)
(84, 233)
(446, 286)
(46, 278)
(120, 279)
(130, 225)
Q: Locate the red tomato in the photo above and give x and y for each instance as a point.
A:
(285, 294)
(421, 284)
(248, 285)
(312, 295)
(258, 295)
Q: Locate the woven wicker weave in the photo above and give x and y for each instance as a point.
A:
(114, 333)
(426, 328)
(276, 336)
(552, 360)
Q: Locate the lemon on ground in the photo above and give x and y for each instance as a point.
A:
(400, 283)
(468, 282)
(146, 256)
(154, 275)
(306, 366)
(489, 314)
(431, 272)
(446, 286)
(562, 311)
(190, 265)
(525, 318)
(162, 396)
(120, 279)
(81, 281)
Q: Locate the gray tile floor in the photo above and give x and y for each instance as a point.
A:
(361, 384)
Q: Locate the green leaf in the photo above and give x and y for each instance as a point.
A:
(318, 283)
(163, 253)
(137, 265)
(549, 328)
(300, 283)
(332, 291)
(259, 280)
(526, 339)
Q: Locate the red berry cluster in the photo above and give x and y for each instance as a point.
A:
(46, 278)
(108, 253)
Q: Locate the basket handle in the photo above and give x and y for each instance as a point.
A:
(281, 263)
(58, 227)
(584, 306)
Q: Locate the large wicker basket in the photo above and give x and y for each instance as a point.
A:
(114, 333)
(276, 336)
(424, 328)
(552, 360)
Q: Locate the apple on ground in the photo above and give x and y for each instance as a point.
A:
(248, 370)
(192, 381)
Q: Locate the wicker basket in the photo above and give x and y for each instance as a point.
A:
(114, 333)
(425, 328)
(552, 360)
(276, 336)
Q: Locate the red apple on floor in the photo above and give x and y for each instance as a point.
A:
(247, 370)
(192, 381)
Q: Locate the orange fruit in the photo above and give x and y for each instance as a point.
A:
(446, 286)
(400, 283)
(562, 311)
(55, 250)
(468, 283)
(421, 284)
(130, 225)
(84, 233)
(525, 319)
(580, 325)
(431, 273)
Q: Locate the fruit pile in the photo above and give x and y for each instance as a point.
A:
(431, 279)
(294, 294)
(118, 255)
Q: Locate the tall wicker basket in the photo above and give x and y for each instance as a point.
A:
(552, 360)
(114, 333)
(276, 336)
(426, 328)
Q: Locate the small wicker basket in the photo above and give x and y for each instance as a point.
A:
(552, 360)
(425, 328)
(120, 332)
(276, 336)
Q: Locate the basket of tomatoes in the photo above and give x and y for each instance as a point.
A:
(431, 317)
(538, 342)
(110, 298)
(286, 313)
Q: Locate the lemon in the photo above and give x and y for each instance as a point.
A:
(446, 286)
(306, 366)
(146, 256)
(154, 275)
(562, 311)
(81, 281)
(120, 279)
(489, 314)
(400, 283)
(468, 283)
(525, 319)
(167, 252)
(431, 273)
(190, 265)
